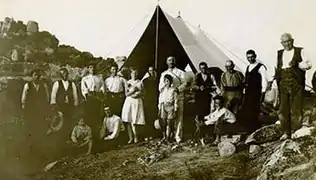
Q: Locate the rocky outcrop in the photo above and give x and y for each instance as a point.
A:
(293, 160)
(265, 134)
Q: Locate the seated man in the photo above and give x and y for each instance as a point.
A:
(220, 118)
(81, 135)
(111, 128)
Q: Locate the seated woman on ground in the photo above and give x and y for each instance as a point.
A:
(219, 119)
(81, 136)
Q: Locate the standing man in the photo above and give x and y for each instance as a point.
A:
(35, 103)
(231, 86)
(115, 87)
(150, 83)
(64, 98)
(255, 87)
(205, 84)
(92, 89)
(179, 82)
(292, 63)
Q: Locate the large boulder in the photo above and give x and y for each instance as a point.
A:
(265, 134)
(293, 160)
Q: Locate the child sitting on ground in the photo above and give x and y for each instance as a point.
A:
(168, 105)
(81, 135)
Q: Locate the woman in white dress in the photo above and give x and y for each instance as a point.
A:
(133, 108)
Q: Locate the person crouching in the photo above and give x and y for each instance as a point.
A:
(221, 118)
(168, 105)
(81, 136)
(111, 129)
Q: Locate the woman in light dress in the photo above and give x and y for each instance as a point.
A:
(133, 108)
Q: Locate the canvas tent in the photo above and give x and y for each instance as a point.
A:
(174, 39)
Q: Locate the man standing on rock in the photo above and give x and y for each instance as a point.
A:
(179, 82)
(292, 63)
(255, 87)
(231, 86)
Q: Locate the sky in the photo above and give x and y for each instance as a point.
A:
(112, 27)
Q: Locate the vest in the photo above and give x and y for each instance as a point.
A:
(62, 93)
(254, 79)
(297, 58)
(207, 83)
(36, 99)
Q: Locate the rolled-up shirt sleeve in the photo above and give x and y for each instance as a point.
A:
(75, 93)
(54, 93)
(24, 93)
(306, 64)
(84, 88)
(116, 131)
(264, 80)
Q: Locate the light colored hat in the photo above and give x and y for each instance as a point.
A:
(157, 124)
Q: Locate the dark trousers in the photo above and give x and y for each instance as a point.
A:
(69, 123)
(116, 100)
(151, 114)
(291, 103)
(249, 113)
(93, 116)
(202, 104)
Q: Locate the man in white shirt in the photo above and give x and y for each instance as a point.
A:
(179, 82)
(92, 88)
(255, 88)
(292, 63)
(115, 87)
(111, 128)
(216, 123)
(64, 98)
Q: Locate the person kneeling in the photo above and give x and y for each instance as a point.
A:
(111, 128)
(220, 118)
(168, 104)
(81, 136)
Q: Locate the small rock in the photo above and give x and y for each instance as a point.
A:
(265, 134)
(254, 150)
(226, 149)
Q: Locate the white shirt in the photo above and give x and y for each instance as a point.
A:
(115, 84)
(66, 86)
(91, 83)
(288, 56)
(168, 95)
(113, 125)
(262, 70)
(179, 80)
(222, 114)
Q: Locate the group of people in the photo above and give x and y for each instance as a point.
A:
(115, 104)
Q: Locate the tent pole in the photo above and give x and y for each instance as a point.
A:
(157, 31)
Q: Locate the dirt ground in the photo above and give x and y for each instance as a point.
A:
(184, 163)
